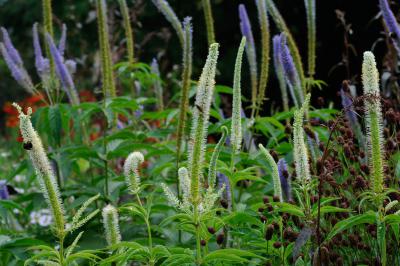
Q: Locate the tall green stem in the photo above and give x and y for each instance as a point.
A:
(128, 30)
(209, 21)
(311, 34)
(265, 47)
(105, 51)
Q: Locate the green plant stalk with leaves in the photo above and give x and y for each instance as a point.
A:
(281, 24)
(128, 31)
(50, 190)
(311, 35)
(265, 50)
(208, 17)
(186, 79)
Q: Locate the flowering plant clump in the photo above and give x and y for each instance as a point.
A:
(114, 153)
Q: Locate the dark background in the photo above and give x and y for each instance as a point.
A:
(156, 38)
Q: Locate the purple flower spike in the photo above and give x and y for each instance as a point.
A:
(276, 46)
(290, 72)
(4, 195)
(245, 28)
(42, 64)
(13, 53)
(245, 25)
(63, 40)
(391, 22)
(347, 104)
(285, 179)
(62, 72)
(19, 73)
(223, 180)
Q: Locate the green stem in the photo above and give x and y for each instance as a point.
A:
(209, 21)
(265, 47)
(147, 221)
(311, 34)
(61, 251)
(198, 239)
(128, 30)
(48, 28)
(232, 169)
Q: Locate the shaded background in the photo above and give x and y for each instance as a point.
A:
(155, 37)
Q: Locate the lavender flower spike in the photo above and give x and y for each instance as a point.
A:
(4, 195)
(63, 40)
(245, 27)
(391, 22)
(285, 179)
(291, 72)
(14, 55)
(19, 73)
(42, 64)
(62, 72)
(276, 45)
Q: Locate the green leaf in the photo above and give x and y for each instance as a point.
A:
(289, 208)
(328, 209)
(231, 255)
(366, 218)
(55, 125)
(392, 219)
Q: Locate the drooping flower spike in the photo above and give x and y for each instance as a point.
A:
(131, 171)
(111, 225)
(275, 172)
(164, 7)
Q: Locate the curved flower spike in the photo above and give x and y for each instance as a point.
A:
(131, 171)
(111, 225)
